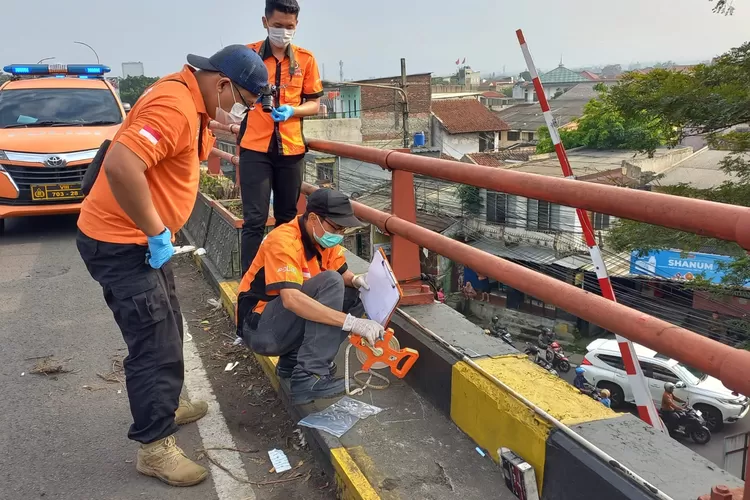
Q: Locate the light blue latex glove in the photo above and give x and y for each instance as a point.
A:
(160, 249)
(282, 113)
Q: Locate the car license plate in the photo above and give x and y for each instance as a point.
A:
(51, 192)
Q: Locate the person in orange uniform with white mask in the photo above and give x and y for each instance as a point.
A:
(272, 145)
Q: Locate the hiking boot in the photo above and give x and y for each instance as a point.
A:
(307, 387)
(164, 460)
(286, 371)
(190, 411)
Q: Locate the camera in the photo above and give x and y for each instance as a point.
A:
(266, 98)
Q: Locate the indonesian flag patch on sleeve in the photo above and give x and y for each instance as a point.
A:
(151, 134)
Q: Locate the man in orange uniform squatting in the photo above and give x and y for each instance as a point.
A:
(299, 300)
(125, 238)
(272, 146)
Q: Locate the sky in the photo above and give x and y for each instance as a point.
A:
(371, 37)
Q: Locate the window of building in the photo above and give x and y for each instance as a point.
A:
(514, 135)
(497, 207)
(601, 221)
(541, 216)
(325, 172)
(530, 135)
(486, 141)
(503, 209)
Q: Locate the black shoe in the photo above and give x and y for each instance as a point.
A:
(307, 387)
(286, 371)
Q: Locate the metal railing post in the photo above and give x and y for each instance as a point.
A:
(404, 253)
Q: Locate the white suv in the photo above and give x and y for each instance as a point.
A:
(605, 369)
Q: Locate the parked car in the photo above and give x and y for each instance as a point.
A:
(605, 370)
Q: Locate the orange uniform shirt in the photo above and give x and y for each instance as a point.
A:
(286, 259)
(164, 129)
(296, 79)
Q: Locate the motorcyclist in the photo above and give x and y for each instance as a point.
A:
(580, 382)
(546, 337)
(669, 405)
(604, 398)
(497, 328)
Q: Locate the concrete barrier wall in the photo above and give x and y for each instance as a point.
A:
(494, 417)
(347, 130)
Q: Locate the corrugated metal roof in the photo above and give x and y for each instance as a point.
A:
(618, 265)
(565, 108)
(526, 253)
(701, 170)
(382, 201)
(586, 162)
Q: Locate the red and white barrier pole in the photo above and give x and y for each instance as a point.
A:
(638, 384)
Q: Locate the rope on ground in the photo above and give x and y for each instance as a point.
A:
(204, 452)
(368, 384)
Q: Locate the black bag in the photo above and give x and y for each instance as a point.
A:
(89, 178)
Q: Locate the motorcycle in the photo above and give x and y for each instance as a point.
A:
(534, 352)
(501, 332)
(687, 423)
(557, 358)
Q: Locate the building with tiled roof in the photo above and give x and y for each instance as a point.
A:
(501, 158)
(555, 82)
(590, 76)
(461, 126)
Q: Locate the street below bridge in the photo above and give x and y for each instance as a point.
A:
(713, 450)
(65, 434)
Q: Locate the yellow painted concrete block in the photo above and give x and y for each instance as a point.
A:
(494, 418)
(550, 393)
(352, 483)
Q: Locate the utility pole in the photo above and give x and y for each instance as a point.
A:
(405, 108)
(341, 71)
(324, 71)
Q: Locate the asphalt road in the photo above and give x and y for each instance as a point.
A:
(64, 436)
(713, 450)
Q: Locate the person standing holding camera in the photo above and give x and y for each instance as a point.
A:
(272, 145)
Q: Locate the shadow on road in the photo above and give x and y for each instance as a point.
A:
(24, 229)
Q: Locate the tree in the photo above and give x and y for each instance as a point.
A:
(132, 87)
(525, 75)
(602, 126)
(665, 65)
(4, 77)
(471, 200)
(611, 70)
(708, 100)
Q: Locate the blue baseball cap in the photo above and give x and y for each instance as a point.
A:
(239, 63)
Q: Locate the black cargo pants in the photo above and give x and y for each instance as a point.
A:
(302, 344)
(261, 173)
(144, 303)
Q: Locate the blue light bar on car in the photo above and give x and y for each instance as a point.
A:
(56, 69)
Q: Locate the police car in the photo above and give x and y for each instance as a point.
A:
(53, 118)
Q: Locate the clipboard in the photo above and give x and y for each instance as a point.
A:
(384, 295)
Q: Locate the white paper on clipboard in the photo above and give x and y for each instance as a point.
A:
(384, 294)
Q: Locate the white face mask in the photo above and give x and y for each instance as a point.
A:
(280, 37)
(233, 117)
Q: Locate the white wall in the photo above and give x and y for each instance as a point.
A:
(347, 130)
(453, 145)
